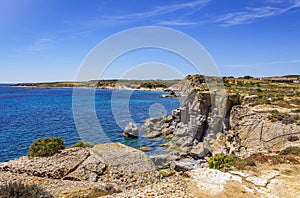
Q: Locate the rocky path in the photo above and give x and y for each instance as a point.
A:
(210, 183)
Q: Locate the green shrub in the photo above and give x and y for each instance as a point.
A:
(246, 77)
(262, 101)
(46, 147)
(82, 144)
(291, 151)
(220, 161)
(20, 190)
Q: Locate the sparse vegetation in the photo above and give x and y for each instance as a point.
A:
(262, 101)
(275, 159)
(107, 83)
(221, 161)
(44, 147)
(285, 118)
(288, 156)
(291, 151)
(82, 144)
(242, 164)
(20, 190)
(152, 85)
(295, 111)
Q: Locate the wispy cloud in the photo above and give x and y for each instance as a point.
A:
(251, 15)
(264, 63)
(177, 23)
(156, 15)
(188, 14)
(161, 10)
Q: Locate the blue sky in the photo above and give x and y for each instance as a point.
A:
(46, 40)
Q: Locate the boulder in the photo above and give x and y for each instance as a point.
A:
(90, 170)
(162, 159)
(199, 150)
(186, 164)
(127, 167)
(131, 131)
(153, 134)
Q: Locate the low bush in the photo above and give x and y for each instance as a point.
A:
(20, 190)
(291, 151)
(82, 144)
(220, 161)
(44, 147)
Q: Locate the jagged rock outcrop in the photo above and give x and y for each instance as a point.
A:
(211, 121)
(103, 169)
(202, 115)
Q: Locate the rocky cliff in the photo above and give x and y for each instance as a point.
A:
(232, 119)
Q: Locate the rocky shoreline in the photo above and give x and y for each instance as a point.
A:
(240, 123)
(115, 170)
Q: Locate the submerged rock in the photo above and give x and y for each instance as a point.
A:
(153, 134)
(131, 131)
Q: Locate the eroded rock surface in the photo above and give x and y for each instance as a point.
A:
(101, 170)
(210, 121)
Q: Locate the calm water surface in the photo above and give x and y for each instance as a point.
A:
(28, 113)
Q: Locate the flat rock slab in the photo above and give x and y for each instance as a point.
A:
(90, 170)
(55, 167)
(263, 179)
(126, 166)
(212, 181)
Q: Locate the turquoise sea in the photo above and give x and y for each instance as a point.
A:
(28, 113)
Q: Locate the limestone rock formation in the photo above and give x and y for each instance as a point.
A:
(259, 133)
(210, 121)
(101, 170)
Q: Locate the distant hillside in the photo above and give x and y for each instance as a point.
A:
(292, 76)
(108, 84)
